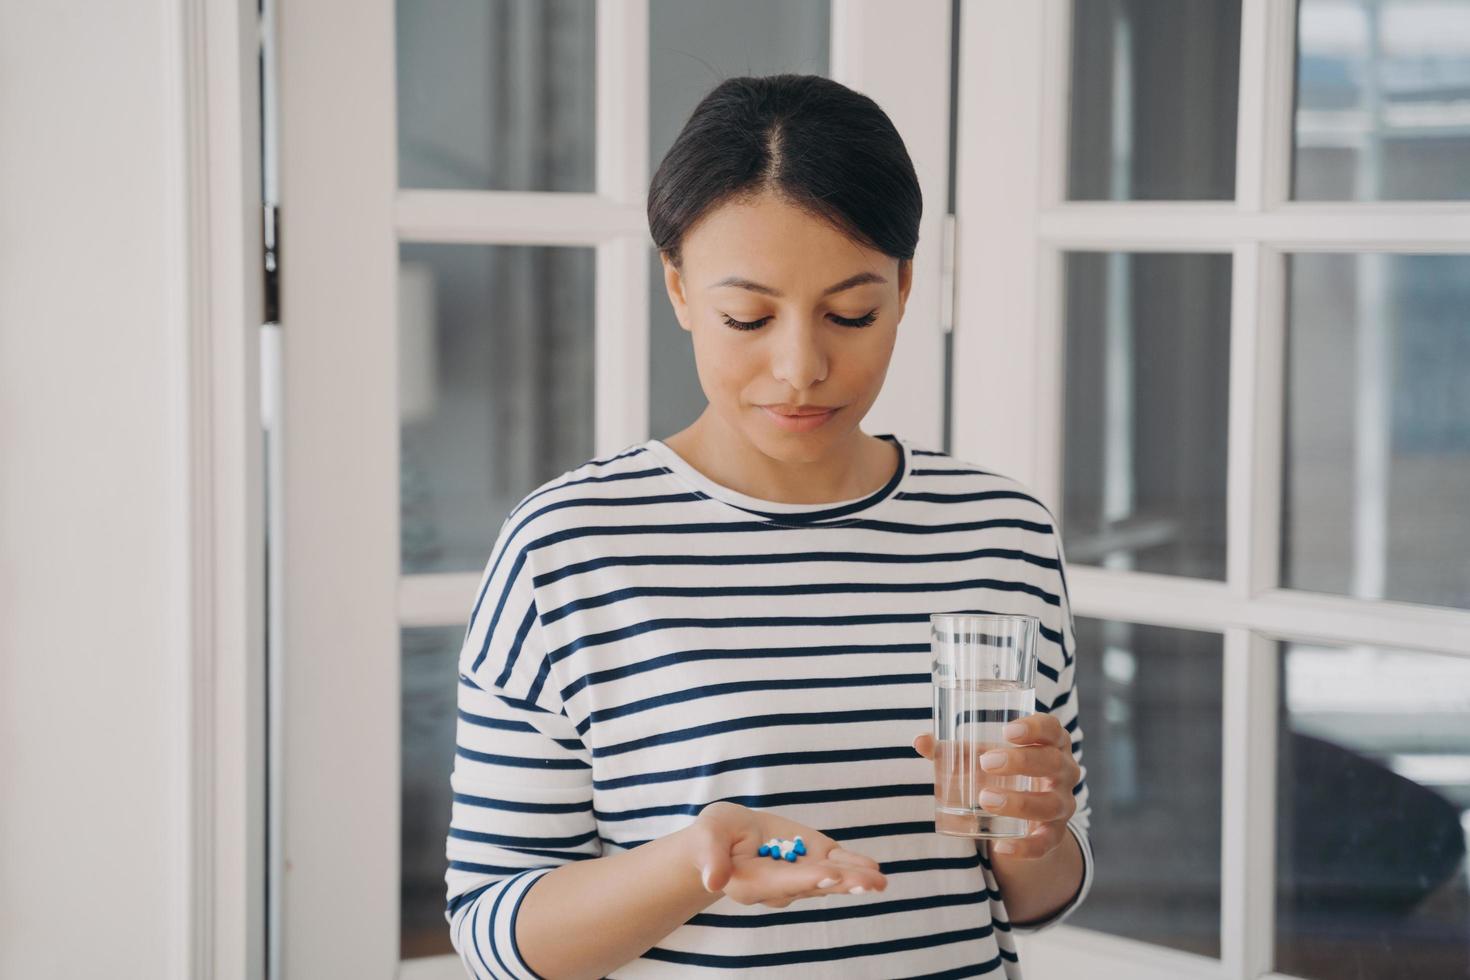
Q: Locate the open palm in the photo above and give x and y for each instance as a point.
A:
(732, 862)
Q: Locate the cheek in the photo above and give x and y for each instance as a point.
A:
(725, 365)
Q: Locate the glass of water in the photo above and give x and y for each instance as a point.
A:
(984, 678)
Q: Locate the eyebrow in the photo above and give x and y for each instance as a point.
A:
(755, 287)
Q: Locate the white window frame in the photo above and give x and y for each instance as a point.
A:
(335, 880)
(1014, 224)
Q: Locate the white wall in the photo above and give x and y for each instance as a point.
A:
(93, 587)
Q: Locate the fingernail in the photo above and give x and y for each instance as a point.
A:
(992, 760)
(989, 797)
(1014, 730)
(826, 882)
(856, 890)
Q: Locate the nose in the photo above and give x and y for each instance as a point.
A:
(797, 357)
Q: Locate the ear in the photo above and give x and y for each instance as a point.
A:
(674, 286)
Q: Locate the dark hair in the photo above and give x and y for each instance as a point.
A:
(824, 148)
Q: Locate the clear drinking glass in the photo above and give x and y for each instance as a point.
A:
(984, 678)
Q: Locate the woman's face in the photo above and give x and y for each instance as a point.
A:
(824, 310)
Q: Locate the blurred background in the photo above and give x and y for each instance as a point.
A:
(299, 297)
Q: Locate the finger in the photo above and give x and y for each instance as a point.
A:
(1043, 807)
(1037, 844)
(1035, 729)
(832, 883)
(838, 878)
(1035, 760)
(924, 745)
(841, 855)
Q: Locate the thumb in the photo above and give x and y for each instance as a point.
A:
(714, 866)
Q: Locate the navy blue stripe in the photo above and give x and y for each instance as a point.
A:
(766, 761)
(835, 913)
(763, 721)
(508, 840)
(519, 762)
(786, 558)
(973, 496)
(514, 943)
(820, 954)
(500, 607)
(914, 828)
(729, 653)
(494, 916)
(792, 589)
(740, 622)
(458, 901)
(929, 452)
(513, 655)
(954, 472)
(767, 800)
(502, 724)
(960, 972)
(610, 478)
(518, 807)
(964, 863)
(766, 527)
(732, 687)
(884, 829)
(484, 869)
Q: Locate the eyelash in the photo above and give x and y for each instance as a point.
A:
(861, 321)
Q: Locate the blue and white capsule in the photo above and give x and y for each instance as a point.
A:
(782, 849)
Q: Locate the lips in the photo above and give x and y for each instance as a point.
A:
(797, 412)
(803, 419)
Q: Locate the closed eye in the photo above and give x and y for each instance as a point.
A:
(861, 321)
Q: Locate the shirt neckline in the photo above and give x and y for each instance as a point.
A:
(837, 511)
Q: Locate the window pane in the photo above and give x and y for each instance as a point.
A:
(497, 95)
(495, 389)
(1146, 400)
(693, 45)
(1153, 99)
(1376, 498)
(1152, 724)
(430, 670)
(1383, 100)
(1373, 814)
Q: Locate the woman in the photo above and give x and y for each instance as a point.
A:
(704, 642)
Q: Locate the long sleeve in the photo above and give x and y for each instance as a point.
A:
(1064, 706)
(522, 778)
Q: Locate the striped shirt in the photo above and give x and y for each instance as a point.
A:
(645, 641)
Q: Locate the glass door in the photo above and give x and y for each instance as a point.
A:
(471, 305)
(1221, 273)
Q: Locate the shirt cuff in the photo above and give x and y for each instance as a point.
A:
(1082, 889)
(493, 928)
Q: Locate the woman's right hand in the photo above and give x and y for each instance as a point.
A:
(727, 838)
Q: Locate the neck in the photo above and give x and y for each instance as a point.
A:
(854, 466)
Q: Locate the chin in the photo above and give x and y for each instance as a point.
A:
(795, 447)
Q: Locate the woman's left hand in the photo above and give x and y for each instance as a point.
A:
(1040, 747)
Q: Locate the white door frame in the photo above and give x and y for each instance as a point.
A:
(344, 600)
(1014, 224)
(216, 146)
(220, 203)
